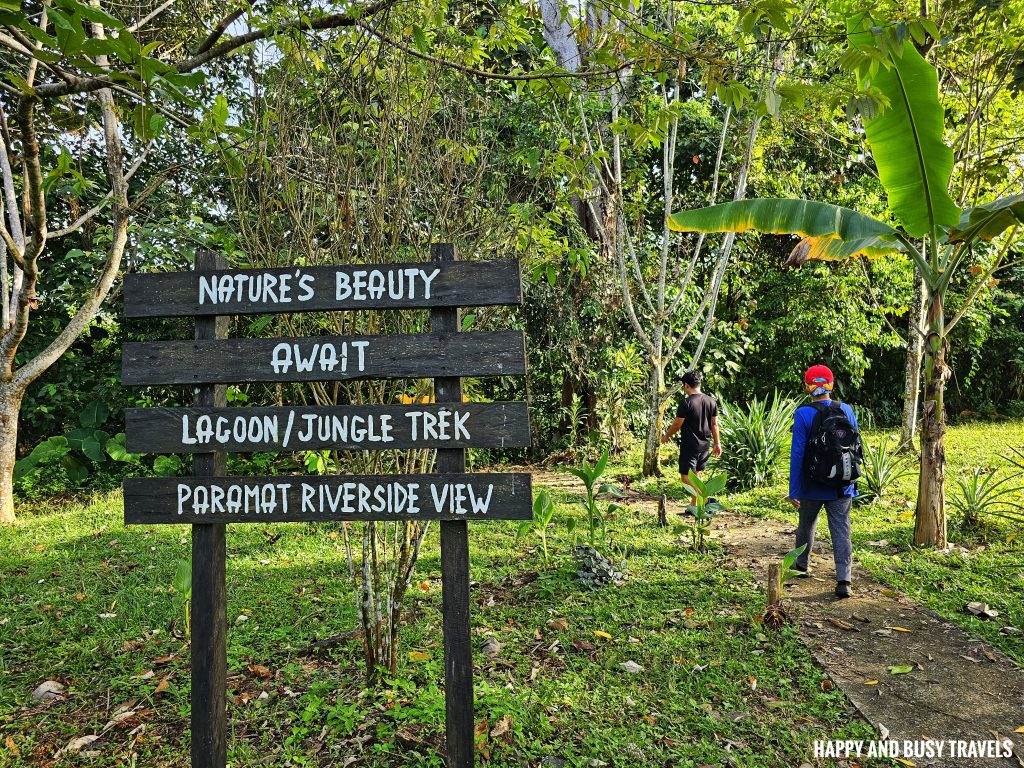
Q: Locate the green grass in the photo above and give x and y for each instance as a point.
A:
(986, 566)
(716, 684)
(88, 602)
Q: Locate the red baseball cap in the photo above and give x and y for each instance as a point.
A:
(816, 373)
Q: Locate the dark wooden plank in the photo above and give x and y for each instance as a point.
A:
(209, 595)
(308, 289)
(458, 651)
(324, 358)
(342, 427)
(310, 498)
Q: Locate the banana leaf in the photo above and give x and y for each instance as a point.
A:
(906, 139)
(829, 232)
(985, 222)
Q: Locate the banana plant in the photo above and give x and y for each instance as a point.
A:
(914, 165)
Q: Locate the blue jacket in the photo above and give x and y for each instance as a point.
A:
(800, 486)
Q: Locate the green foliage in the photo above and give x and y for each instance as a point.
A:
(789, 559)
(990, 220)
(830, 232)
(703, 509)
(884, 467)
(181, 586)
(906, 139)
(543, 515)
(755, 439)
(589, 475)
(985, 493)
(78, 449)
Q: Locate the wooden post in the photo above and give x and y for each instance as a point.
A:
(774, 584)
(662, 511)
(209, 603)
(458, 651)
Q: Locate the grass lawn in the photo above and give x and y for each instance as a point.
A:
(985, 566)
(87, 602)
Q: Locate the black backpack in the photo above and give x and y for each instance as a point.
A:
(834, 450)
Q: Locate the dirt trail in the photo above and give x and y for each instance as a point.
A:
(959, 688)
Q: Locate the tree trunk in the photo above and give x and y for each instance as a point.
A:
(930, 517)
(10, 404)
(912, 373)
(651, 466)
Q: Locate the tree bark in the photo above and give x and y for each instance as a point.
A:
(930, 518)
(10, 404)
(654, 422)
(912, 374)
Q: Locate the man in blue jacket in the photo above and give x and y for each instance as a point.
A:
(808, 496)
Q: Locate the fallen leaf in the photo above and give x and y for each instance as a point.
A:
(12, 747)
(559, 625)
(898, 629)
(260, 671)
(904, 762)
(753, 683)
(418, 656)
(79, 743)
(161, 660)
(827, 685)
(47, 691)
(502, 727)
(631, 667)
(870, 682)
(79, 596)
(492, 647)
(600, 633)
(1019, 729)
(147, 674)
(162, 686)
(900, 669)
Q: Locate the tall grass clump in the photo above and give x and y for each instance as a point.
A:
(754, 439)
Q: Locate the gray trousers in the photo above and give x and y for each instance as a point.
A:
(838, 513)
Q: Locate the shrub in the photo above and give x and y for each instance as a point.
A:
(754, 440)
(983, 494)
(883, 467)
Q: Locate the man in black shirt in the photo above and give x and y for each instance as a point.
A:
(697, 424)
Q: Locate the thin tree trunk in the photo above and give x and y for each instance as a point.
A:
(930, 520)
(10, 404)
(912, 373)
(654, 422)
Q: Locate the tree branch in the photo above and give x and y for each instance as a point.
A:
(219, 30)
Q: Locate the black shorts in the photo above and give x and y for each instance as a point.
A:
(694, 461)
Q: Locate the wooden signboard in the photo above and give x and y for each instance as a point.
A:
(305, 498)
(308, 289)
(324, 358)
(208, 500)
(340, 427)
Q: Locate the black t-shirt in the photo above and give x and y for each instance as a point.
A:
(697, 410)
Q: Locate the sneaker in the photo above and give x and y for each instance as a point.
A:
(843, 589)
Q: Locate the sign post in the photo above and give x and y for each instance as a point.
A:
(210, 499)
(460, 725)
(209, 594)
